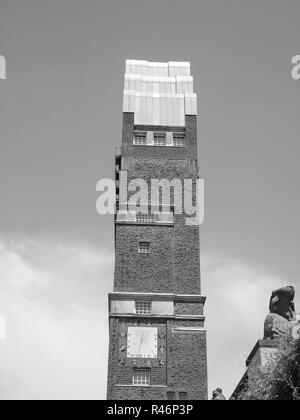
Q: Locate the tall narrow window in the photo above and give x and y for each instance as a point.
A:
(178, 139)
(141, 376)
(143, 307)
(182, 396)
(144, 247)
(140, 138)
(159, 139)
(171, 395)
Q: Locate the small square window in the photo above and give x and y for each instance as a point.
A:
(182, 396)
(141, 376)
(178, 140)
(143, 308)
(171, 395)
(159, 139)
(144, 247)
(140, 138)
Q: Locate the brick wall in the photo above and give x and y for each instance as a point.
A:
(187, 366)
(189, 152)
(173, 266)
(112, 357)
(174, 262)
(182, 308)
(137, 393)
(185, 370)
(152, 272)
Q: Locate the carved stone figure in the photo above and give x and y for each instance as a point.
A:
(282, 303)
(217, 395)
(282, 316)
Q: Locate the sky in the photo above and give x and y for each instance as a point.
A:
(60, 121)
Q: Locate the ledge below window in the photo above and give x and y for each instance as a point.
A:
(145, 219)
(142, 386)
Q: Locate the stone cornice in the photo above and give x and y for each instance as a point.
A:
(180, 298)
(160, 316)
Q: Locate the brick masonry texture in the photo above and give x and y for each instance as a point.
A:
(112, 357)
(185, 370)
(152, 272)
(188, 308)
(187, 364)
(138, 393)
(172, 266)
(189, 152)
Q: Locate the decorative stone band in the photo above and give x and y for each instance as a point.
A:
(140, 386)
(166, 218)
(188, 329)
(161, 316)
(159, 93)
(163, 85)
(158, 69)
(158, 296)
(162, 305)
(160, 109)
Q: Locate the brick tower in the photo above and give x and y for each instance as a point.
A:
(157, 347)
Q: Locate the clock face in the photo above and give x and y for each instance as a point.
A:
(142, 342)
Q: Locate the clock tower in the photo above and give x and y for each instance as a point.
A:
(157, 346)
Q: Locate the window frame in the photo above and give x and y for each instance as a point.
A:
(160, 139)
(145, 307)
(182, 396)
(144, 247)
(176, 137)
(144, 218)
(137, 136)
(140, 380)
(169, 394)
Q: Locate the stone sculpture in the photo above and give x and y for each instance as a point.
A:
(217, 395)
(282, 317)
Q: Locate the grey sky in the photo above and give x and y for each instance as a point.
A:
(60, 117)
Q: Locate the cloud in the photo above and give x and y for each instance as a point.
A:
(238, 298)
(53, 294)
